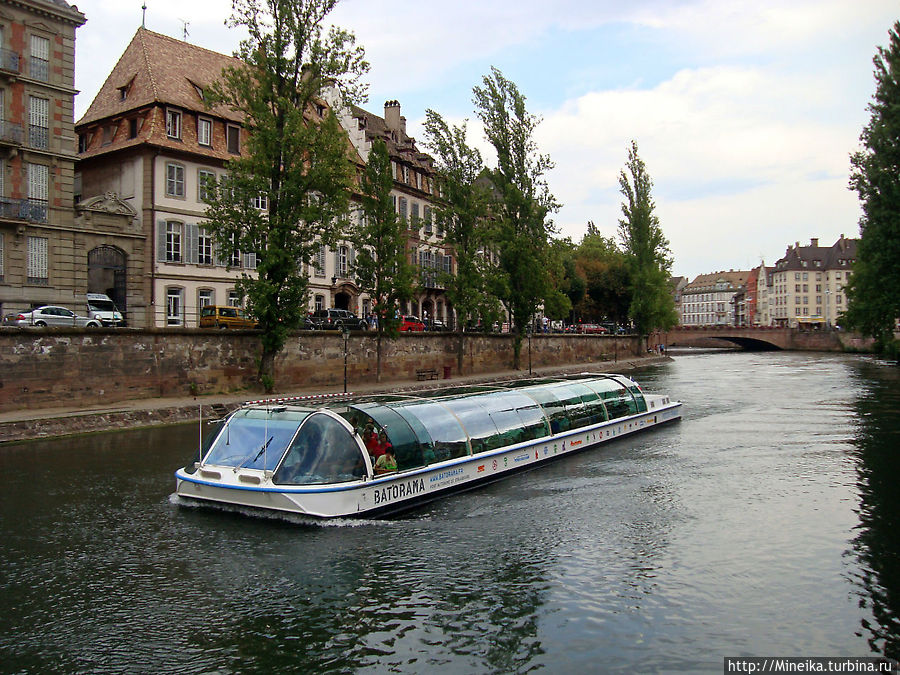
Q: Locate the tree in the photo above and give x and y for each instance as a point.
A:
(523, 202)
(294, 159)
(382, 267)
(874, 289)
(647, 250)
(463, 217)
(604, 268)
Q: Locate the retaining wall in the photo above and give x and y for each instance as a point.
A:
(56, 367)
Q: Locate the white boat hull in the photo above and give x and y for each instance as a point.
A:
(400, 491)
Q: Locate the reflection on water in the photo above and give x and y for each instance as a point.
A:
(764, 523)
(878, 542)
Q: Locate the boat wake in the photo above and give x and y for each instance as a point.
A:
(281, 516)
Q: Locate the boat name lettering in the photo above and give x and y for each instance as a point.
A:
(399, 491)
(445, 474)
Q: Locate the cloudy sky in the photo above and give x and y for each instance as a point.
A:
(745, 112)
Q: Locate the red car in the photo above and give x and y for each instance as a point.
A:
(411, 323)
(588, 328)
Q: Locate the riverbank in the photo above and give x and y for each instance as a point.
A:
(34, 423)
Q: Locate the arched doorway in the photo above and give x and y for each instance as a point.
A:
(428, 312)
(342, 300)
(106, 274)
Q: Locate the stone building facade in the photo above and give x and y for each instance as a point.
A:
(808, 283)
(710, 299)
(44, 251)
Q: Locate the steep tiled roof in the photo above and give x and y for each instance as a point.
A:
(706, 282)
(839, 255)
(158, 69)
(399, 144)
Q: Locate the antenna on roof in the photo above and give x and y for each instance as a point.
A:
(184, 29)
(144, 15)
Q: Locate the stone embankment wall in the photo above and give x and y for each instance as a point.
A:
(42, 368)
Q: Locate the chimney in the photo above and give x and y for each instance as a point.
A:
(814, 242)
(796, 244)
(403, 124)
(392, 115)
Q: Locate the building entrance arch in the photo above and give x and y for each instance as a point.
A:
(107, 273)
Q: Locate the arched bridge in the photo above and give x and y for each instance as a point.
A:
(750, 337)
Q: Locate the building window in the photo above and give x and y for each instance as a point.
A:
(132, 128)
(320, 302)
(204, 247)
(342, 258)
(174, 180)
(37, 261)
(40, 58)
(204, 131)
(260, 201)
(205, 298)
(174, 307)
(206, 184)
(405, 170)
(234, 259)
(234, 298)
(319, 263)
(233, 139)
(173, 241)
(38, 122)
(38, 189)
(173, 123)
(402, 208)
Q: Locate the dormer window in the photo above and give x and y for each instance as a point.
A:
(173, 123)
(123, 93)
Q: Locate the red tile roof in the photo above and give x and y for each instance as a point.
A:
(158, 69)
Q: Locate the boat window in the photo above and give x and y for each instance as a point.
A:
(445, 433)
(553, 408)
(592, 411)
(254, 439)
(322, 452)
(407, 448)
(534, 425)
(618, 400)
(476, 421)
(639, 400)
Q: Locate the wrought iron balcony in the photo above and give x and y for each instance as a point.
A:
(31, 210)
(11, 133)
(9, 60)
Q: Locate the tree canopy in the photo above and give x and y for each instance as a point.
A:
(287, 193)
(522, 204)
(647, 249)
(874, 289)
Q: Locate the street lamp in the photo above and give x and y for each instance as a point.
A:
(346, 331)
(528, 333)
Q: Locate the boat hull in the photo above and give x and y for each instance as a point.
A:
(397, 492)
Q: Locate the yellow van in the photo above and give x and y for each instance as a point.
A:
(220, 316)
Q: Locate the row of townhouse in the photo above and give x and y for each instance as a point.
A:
(807, 285)
(149, 138)
(115, 203)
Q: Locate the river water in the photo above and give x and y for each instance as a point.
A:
(763, 524)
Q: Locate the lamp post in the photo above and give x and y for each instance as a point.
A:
(346, 331)
(528, 333)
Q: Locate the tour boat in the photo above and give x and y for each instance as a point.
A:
(308, 456)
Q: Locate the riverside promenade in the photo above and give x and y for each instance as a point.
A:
(82, 417)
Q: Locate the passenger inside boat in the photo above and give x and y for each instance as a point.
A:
(323, 451)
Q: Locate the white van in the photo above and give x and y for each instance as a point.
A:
(101, 308)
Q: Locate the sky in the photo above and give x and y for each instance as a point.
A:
(744, 112)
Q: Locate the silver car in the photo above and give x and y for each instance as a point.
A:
(50, 315)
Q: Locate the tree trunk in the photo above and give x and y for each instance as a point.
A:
(378, 354)
(266, 373)
(460, 351)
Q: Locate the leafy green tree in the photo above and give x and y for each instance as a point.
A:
(604, 268)
(382, 268)
(463, 217)
(647, 250)
(565, 283)
(293, 161)
(874, 289)
(523, 203)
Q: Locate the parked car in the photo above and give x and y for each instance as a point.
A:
(225, 316)
(438, 326)
(411, 323)
(336, 319)
(50, 315)
(588, 328)
(101, 308)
